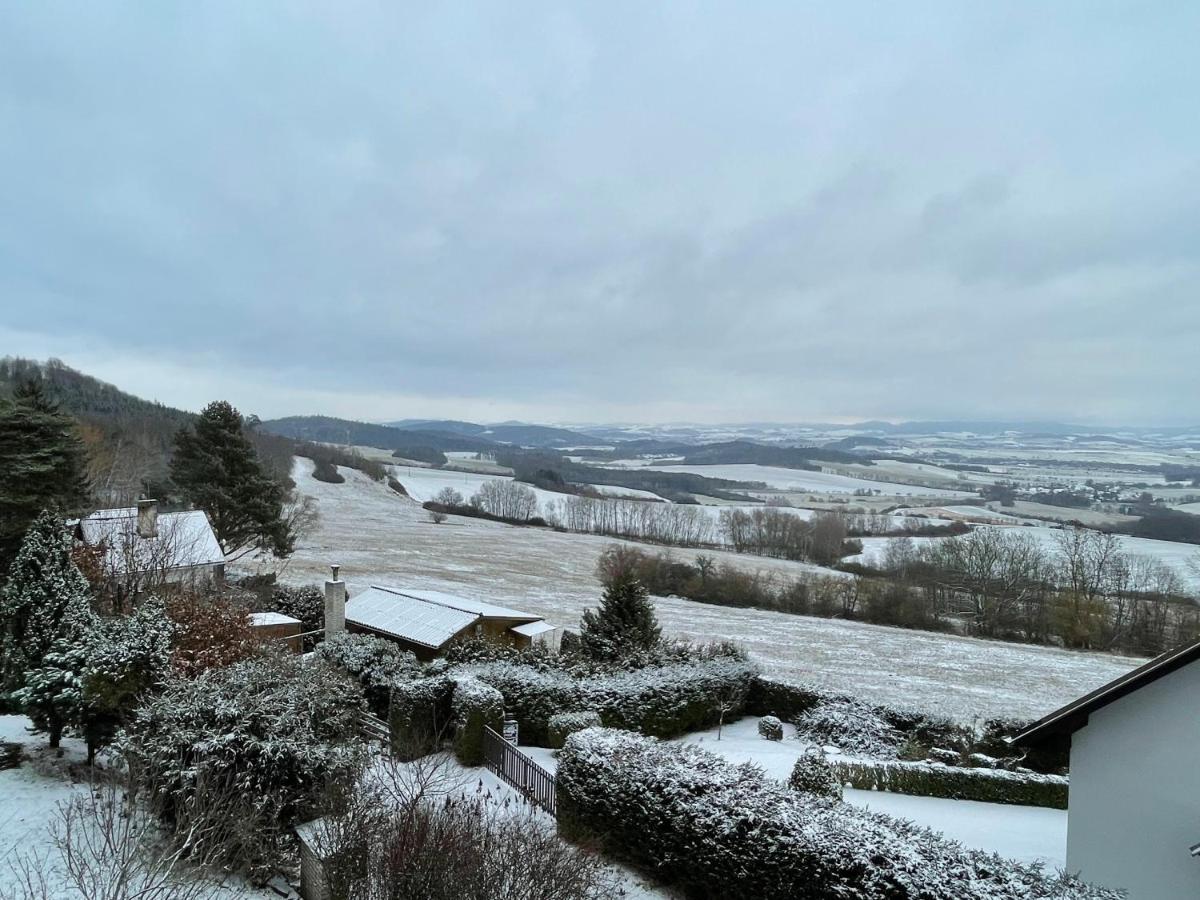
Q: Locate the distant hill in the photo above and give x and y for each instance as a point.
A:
(747, 452)
(520, 433)
(329, 430)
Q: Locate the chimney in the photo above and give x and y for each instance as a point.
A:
(147, 518)
(335, 604)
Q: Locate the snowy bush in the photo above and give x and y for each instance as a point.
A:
(771, 728)
(954, 783)
(233, 758)
(715, 829)
(563, 725)
(852, 726)
(473, 705)
(662, 701)
(420, 716)
(377, 664)
(306, 603)
(813, 774)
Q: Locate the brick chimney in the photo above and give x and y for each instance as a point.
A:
(335, 604)
(147, 518)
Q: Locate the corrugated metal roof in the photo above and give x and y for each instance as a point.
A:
(532, 629)
(184, 539)
(466, 604)
(405, 616)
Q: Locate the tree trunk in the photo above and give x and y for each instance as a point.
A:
(55, 735)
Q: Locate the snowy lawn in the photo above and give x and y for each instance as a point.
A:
(802, 480)
(381, 538)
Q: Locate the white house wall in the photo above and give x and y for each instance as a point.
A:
(1135, 791)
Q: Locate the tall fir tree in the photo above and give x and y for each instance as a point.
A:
(42, 465)
(217, 470)
(44, 608)
(624, 623)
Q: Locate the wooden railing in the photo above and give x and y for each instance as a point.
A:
(518, 770)
(373, 729)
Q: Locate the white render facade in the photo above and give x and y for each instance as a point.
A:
(1135, 791)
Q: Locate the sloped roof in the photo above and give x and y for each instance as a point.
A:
(403, 616)
(185, 539)
(1070, 718)
(263, 619)
(532, 629)
(466, 604)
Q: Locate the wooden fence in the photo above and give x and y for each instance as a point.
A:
(518, 770)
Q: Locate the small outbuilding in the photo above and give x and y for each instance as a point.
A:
(273, 626)
(1133, 818)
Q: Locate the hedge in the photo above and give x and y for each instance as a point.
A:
(420, 715)
(664, 701)
(563, 725)
(473, 705)
(953, 783)
(693, 820)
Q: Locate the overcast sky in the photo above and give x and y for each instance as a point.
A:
(610, 211)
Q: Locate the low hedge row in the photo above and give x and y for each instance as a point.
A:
(420, 716)
(715, 829)
(953, 783)
(563, 725)
(664, 701)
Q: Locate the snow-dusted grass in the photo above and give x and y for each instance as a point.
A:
(801, 480)
(381, 538)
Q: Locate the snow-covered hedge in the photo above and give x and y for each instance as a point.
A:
(420, 716)
(473, 705)
(664, 701)
(563, 725)
(715, 829)
(851, 726)
(375, 662)
(813, 774)
(771, 728)
(951, 782)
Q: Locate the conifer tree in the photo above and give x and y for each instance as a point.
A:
(624, 623)
(44, 608)
(42, 465)
(217, 470)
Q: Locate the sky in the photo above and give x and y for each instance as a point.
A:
(639, 212)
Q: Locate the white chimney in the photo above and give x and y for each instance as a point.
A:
(147, 518)
(335, 604)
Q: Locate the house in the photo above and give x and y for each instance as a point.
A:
(426, 622)
(1134, 811)
(140, 548)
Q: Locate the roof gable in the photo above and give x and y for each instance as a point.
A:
(183, 540)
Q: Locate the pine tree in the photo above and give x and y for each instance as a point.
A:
(624, 623)
(217, 469)
(42, 465)
(44, 609)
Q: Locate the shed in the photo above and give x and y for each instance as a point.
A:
(273, 626)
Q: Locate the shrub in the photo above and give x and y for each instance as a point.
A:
(770, 728)
(1047, 758)
(377, 664)
(716, 829)
(231, 759)
(769, 697)
(325, 470)
(563, 725)
(852, 726)
(306, 603)
(663, 701)
(473, 705)
(955, 783)
(813, 774)
(396, 486)
(211, 632)
(420, 716)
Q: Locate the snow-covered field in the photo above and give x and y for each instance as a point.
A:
(379, 537)
(800, 480)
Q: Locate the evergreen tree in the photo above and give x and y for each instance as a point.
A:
(44, 608)
(42, 465)
(217, 469)
(624, 623)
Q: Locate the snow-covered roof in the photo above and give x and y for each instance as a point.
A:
(260, 619)
(429, 618)
(533, 629)
(183, 540)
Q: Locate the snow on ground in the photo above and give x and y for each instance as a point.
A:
(422, 484)
(1183, 558)
(616, 490)
(801, 480)
(1027, 833)
(381, 538)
